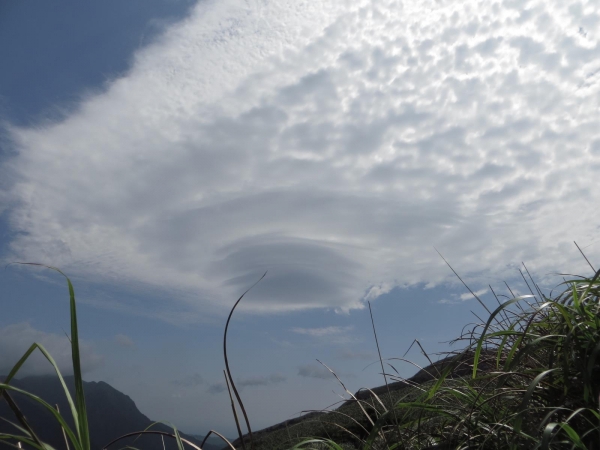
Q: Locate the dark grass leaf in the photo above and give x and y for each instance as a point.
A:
(223, 438)
(47, 406)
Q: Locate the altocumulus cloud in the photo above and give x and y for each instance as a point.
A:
(15, 339)
(332, 143)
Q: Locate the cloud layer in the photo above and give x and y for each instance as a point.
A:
(16, 339)
(330, 143)
(241, 383)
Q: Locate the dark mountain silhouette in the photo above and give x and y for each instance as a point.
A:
(111, 414)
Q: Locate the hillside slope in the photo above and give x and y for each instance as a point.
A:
(348, 419)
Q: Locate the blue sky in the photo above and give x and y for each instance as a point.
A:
(165, 154)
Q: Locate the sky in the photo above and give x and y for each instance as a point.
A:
(165, 154)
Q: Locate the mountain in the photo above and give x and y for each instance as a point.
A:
(111, 414)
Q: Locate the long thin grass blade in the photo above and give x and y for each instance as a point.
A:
(223, 438)
(63, 432)
(527, 397)
(585, 257)
(174, 435)
(49, 407)
(235, 415)
(80, 416)
(548, 434)
(381, 362)
(235, 391)
(465, 284)
(21, 417)
(487, 325)
(47, 355)
(26, 434)
(349, 393)
(5, 436)
(328, 442)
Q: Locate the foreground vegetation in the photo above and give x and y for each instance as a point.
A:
(527, 377)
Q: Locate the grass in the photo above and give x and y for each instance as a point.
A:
(527, 377)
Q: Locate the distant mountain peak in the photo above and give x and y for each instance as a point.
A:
(111, 414)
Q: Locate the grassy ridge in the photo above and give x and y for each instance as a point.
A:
(528, 377)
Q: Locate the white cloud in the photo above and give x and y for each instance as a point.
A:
(322, 332)
(446, 301)
(16, 339)
(469, 296)
(124, 341)
(331, 143)
(377, 291)
(330, 335)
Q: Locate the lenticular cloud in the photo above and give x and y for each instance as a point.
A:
(333, 144)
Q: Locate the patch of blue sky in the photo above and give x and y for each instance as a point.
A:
(52, 54)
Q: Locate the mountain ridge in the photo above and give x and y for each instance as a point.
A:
(111, 414)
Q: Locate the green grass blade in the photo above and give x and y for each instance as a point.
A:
(219, 435)
(47, 355)
(590, 284)
(571, 433)
(487, 325)
(23, 439)
(21, 417)
(527, 397)
(27, 435)
(57, 416)
(83, 428)
(80, 416)
(154, 432)
(328, 442)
